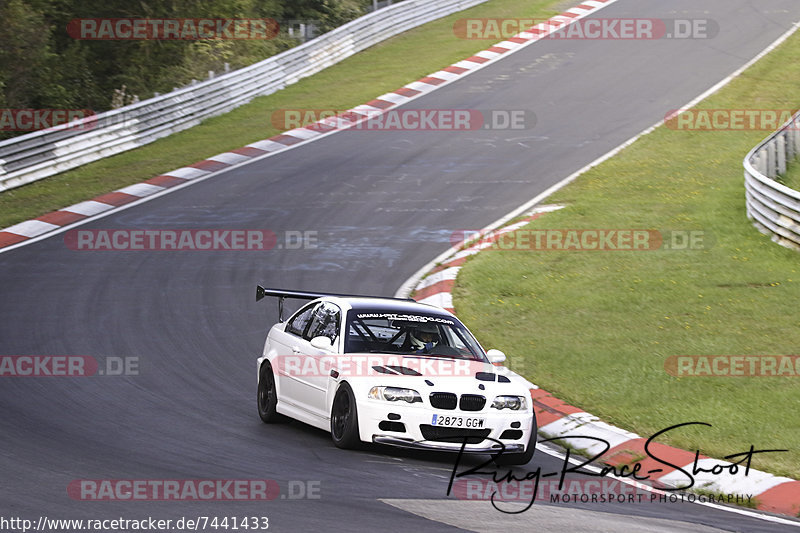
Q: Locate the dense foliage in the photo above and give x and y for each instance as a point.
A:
(42, 66)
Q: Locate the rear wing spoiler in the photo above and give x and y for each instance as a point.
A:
(282, 294)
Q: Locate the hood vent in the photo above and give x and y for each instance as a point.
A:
(404, 370)
(396, 370)
(491, 376)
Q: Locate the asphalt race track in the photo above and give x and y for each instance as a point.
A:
(382, 205)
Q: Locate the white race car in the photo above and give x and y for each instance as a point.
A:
(394, 372)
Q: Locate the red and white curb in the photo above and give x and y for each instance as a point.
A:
(436, 287)
(79, 213)
(558, 419)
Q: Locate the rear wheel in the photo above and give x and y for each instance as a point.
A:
(523, 458)
(344, 419)
(267, 395)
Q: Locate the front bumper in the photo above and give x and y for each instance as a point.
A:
(374, 415)
(444, 447)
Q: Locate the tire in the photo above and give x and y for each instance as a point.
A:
(512, 459)
(267, 396)
(344, 419)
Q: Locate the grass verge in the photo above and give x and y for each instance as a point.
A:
(358, 79)
(596, 328)
(792, 177)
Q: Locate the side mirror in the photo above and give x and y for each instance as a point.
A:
(496, 356)
(322, 343)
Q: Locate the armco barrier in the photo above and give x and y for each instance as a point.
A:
(774, 208)
(44, 153)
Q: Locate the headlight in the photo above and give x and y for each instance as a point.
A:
(394, 394)
(515, 403)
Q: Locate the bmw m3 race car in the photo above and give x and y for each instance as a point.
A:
(394, 372)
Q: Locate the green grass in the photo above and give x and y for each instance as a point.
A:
(356, 80)
(595, 328)
(792, 177)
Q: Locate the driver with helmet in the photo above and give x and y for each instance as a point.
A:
(423, 338)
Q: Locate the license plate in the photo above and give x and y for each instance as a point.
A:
(457, 421)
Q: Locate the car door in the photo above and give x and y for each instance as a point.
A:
(325, 322)
(304, 369)
(290, 348)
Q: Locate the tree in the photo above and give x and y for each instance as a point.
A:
(42, 66)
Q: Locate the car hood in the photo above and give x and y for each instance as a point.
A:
(429, 372)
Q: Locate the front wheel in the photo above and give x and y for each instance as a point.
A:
(511, 459)
(267, 395)
(344, 418)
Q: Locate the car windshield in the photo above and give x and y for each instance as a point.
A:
(410, 334)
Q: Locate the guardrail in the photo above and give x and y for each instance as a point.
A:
(41, 154)
(774, 208)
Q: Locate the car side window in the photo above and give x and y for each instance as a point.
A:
(325, 322)
(298, 323)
